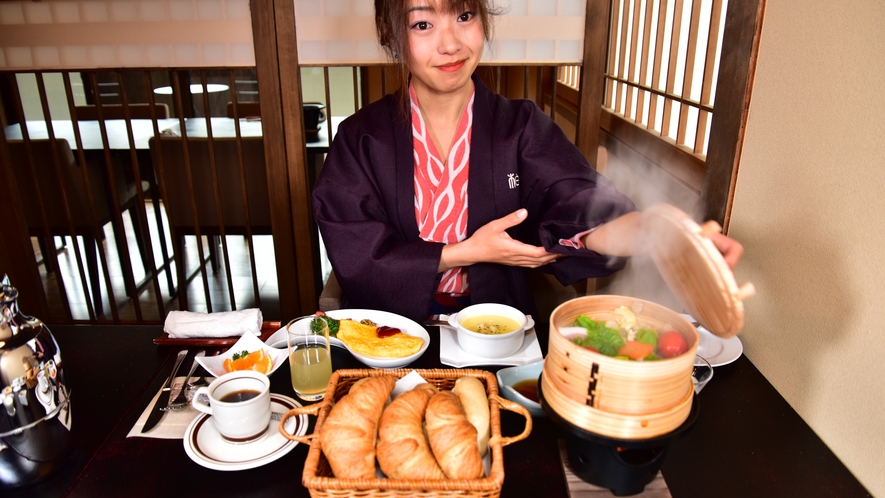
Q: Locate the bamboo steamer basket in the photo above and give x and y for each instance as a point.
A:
(614, 397)
(321, 482)
(640, 400)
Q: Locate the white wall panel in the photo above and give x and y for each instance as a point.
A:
(71, 34)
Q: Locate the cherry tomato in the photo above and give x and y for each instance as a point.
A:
(671, 344)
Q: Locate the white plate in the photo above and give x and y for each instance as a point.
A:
(302, 326)
(205, 446)
(381, 318)
(248, 342)
(716, 350)
(450, 353)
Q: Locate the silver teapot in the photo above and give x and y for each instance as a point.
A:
(35, 406)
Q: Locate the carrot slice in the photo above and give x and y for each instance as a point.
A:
(636, 350)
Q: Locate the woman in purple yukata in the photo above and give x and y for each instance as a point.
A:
(443, 195)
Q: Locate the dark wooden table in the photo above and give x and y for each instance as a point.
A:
(747, 441)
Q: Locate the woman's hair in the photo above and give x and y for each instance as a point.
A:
(392, 24)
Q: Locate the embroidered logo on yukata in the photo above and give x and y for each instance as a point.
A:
(512, 180)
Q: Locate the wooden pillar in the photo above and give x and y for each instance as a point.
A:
(740, 45)
(279, 89)
(592, 77)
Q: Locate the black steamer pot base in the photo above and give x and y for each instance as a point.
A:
(625, 466)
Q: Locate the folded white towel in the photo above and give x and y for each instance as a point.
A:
(186, 324)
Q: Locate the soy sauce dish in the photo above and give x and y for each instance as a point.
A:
(490, 330)
(520, 385)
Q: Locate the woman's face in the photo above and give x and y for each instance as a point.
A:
(445, 48)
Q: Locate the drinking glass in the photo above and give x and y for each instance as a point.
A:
(310, 360)
(701, 374)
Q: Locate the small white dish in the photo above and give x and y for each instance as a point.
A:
(247, 342)
(509, 377)
(716, 350)
(490, 345)
(450, 353)
(205, 446)
(406, 325)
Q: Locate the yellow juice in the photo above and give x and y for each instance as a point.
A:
(311, 368)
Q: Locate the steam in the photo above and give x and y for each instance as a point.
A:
(646, 185)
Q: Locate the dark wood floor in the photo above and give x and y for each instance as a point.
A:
(219, 296)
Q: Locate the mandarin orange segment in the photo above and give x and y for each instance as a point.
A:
(264, 365)
(254, 357)
(256, 360)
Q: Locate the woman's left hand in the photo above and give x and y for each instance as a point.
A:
(731, 249)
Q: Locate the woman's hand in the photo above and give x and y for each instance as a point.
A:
(731, 249)
(492, 244)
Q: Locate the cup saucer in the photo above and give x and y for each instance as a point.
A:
(205, 446)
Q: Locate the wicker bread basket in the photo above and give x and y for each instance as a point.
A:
(614, 397)
(320, 481)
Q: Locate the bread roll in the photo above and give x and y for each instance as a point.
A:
(348, 434)
(402, 450)
(472, 394)
(452, 437)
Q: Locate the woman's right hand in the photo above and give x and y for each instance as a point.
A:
(492, 244)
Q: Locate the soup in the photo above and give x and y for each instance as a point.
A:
(490, 324)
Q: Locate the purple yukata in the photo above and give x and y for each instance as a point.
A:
(364, 204)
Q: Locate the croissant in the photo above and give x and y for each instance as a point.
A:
(452, 437)
(348, 434)
(403, 452)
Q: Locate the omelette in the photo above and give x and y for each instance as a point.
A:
(364, 340)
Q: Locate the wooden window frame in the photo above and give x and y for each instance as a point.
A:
(712, 177)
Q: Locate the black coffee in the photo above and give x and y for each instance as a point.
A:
(239, 396)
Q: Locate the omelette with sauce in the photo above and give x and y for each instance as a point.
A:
(364, 339)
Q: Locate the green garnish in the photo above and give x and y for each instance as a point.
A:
(316, 325)
(241, 354)
(647, 336)
(606, 340)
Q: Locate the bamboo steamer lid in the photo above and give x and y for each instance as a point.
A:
(695, 270)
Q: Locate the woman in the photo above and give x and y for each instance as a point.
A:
(442, 196)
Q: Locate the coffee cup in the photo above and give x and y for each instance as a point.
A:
(314, 114)
(239, 403)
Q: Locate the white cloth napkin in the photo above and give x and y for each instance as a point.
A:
(187, 324)
(174, 423)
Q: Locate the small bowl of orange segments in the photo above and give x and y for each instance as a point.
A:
(249, 353)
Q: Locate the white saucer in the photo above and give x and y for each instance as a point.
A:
(204, 445)
(716, 350)
(450, 353)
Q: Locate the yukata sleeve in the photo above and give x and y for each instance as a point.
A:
(377, 267)
(565, 198)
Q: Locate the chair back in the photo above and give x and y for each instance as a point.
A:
(244, 109)
(52, 186)
(168, 155)
(116, 111)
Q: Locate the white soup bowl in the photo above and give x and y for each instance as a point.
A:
(490, 345)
